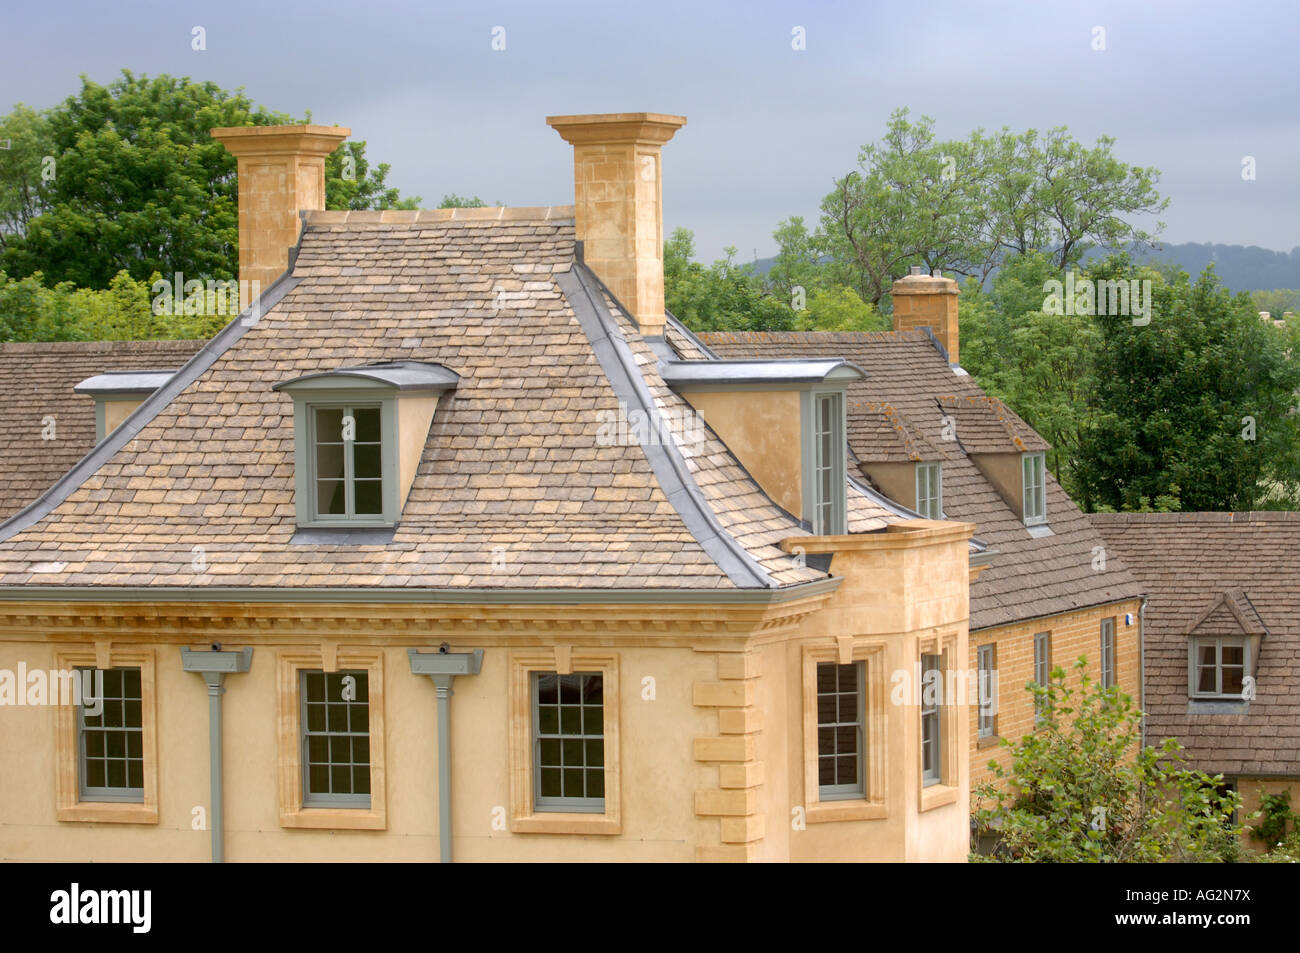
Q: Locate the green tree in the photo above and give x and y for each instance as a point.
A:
(1083, 788)
(1276, 302)
(139, 184)
(452, 200)
(31, 311)
(964, 206)
(1197, 405)
(1040, 364)
(25, 136)
(722, 297)
(837, 308)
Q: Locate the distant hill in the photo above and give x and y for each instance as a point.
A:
(1240, 267)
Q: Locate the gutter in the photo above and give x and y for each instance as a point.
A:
(392, 594)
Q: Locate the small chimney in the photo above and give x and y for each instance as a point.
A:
(281, 172)
(927, 301)
(617, 191)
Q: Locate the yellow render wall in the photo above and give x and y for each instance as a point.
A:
(659, 776)
(762, 429)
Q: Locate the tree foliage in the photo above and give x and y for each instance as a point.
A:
(1082, 788)
(1196, 406)
(31, 311)
(134, 182)
(964, 206)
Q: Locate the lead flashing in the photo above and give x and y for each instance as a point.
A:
(791, 371)
(397, 375)
(582, 290)
(123, 383)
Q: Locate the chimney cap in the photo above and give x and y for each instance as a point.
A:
(280, 140)
(915, 270)
(655, 128)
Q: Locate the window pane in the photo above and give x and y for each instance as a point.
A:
(367, 420)
(1206, 681)
(330, 498)
(367, 460)
(329, 425)
(1232, 680)
(369, 497)
(329, 461)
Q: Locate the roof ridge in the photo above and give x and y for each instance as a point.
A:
(494, 213)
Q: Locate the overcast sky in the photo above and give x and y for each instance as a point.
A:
(1190, 88)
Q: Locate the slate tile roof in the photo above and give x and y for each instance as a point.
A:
(515, 488)
(984, 424)
(36, 379)
(879, 433)
(1219, 574)
(1029, 577)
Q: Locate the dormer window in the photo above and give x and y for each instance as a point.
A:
(359, 433)
(829, 481)
(929, 490)
(1219, 667)
(1034, 489)
(349, 459)
(117, 394)
(762, 409)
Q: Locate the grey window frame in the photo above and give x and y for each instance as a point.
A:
(1108, 679)
(986, 689)
(581, 805)
(930, 476)
(826, 517)
(305, 734)
(1193, 664)
(1034, 494)
(305, 404)
(931, 724)
(305, 471)
(126, 794)
(1042, 671)
(857, 789)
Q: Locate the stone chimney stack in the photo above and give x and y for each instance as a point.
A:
(618, 206)
(928, 301)
(281, 172)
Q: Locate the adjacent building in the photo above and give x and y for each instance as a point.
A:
(923, 434)
(1222, 652)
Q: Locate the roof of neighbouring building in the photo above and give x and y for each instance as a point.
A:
(45, 428)
(516, 487)
(1219, 574)
(897, 414)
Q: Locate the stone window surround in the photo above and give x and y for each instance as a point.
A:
(563, 660)
(946, 790)
(293, 814)
(843, 651)
(69, 806)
